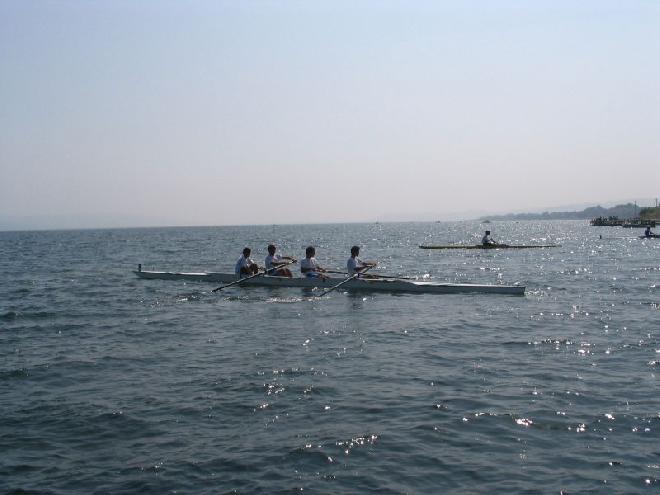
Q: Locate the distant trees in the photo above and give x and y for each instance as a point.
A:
(628, 210)
(650, 213)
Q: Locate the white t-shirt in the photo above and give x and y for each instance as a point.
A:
(308, 264)
(352, 264)
(269, 262)
(242, 262)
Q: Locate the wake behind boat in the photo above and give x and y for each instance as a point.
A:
(488, 246)
(356, 284)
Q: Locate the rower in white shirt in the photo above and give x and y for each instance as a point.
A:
(275, 264)
(309, 266)
(245, 266)
(356, 265)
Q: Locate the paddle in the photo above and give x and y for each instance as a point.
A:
(342, 283)
(252, 276)
(373, 275)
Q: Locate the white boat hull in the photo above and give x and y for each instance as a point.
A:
(385, 285)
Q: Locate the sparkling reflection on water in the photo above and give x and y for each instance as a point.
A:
(113, 384)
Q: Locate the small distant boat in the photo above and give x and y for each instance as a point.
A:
(611, 221)
(617, 222)
(652, 236)
(357, 284)
(638, 225)
(488, 246)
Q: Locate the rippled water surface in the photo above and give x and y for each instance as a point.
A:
(111, 384)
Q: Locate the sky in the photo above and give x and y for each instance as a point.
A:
(135, 112)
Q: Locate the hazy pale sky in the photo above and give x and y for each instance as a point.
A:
(211, 112)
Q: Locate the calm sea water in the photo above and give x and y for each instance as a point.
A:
(111, 384)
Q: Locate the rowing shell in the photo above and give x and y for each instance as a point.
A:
(490, 246)
(652, 236)
(361, 284)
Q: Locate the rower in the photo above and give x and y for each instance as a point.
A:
(275, 263)
(309, 266)
(647, 232)
(245, 266)
(356, 265)
(486, 239)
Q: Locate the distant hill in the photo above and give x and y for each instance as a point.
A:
(626, 211)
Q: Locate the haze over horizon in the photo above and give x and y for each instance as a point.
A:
(233, 113)
(109, 221)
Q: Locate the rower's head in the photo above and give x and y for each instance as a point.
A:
(246, 252)
(488, 232)
(355, 250)
(310, 252)
(271, 249)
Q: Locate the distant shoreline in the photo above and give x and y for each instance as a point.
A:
(624, 211)
(627, 211)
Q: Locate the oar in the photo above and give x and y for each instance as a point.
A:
(342, 283)
(252, 276)
(373, 275)
(391, 276)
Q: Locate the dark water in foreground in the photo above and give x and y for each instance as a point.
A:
(110, 384)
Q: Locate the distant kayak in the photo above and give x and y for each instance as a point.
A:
(490, 246)
(652, 236)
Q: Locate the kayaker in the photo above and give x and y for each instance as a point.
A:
(486, 239)
(648, 233)
(356, 265)
(275, 264)
(309, 266)
(245, 266)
